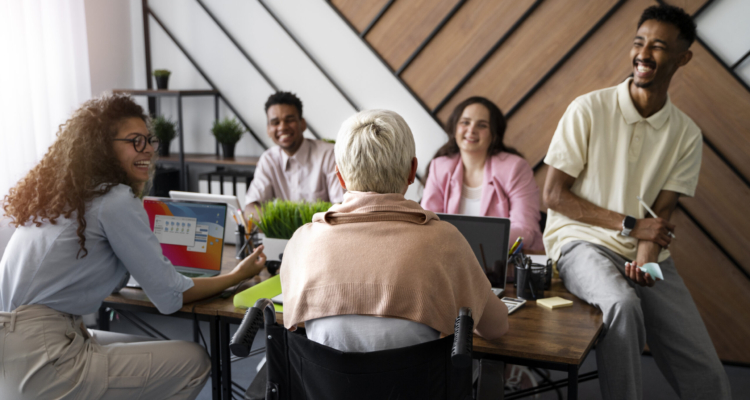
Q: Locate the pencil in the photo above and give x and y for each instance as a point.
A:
(650, 211)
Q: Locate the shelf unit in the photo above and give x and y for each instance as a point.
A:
(179, 94)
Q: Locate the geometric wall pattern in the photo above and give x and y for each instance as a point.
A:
(532, 58)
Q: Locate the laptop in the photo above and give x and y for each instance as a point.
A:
(191, 234)
(488, 237)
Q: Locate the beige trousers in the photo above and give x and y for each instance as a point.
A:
(46, 354)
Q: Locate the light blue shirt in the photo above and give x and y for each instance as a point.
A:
(39, 265)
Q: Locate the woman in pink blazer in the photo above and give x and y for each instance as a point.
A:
(475, 174)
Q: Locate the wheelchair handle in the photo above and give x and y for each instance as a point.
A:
(242, 340)
(462, 339)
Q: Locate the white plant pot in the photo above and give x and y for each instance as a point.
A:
(273, 247)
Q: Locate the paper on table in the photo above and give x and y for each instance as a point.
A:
(539, 259)
(265, 290)
(653, 269)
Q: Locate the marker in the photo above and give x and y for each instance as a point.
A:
(518, 249)
(515, 245)
(650, 211)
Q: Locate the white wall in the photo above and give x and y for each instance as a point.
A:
(725, 27)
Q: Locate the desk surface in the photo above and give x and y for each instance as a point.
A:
(561, 336)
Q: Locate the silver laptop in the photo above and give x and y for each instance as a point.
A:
(191, 234)
(488, 237)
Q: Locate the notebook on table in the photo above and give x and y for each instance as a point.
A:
(191, 234)
(488, 237)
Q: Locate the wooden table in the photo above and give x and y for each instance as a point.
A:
(554, 339)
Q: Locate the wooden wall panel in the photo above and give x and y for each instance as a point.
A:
(460, 45)
(405, 26)
(527, 55)
(603, 61)
(359, 13)
(720, 290)
(706, 92)
(720, 205)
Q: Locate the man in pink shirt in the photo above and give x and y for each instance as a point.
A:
(296, 168)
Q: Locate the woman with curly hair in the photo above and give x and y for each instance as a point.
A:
(80, 227)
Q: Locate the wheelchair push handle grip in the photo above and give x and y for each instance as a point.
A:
(242, 340)
(462, 340)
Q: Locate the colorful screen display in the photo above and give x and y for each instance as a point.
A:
(191, 234)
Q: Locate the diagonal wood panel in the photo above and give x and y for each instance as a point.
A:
(527, 56)
(603, 61)
(460, 45)
(359, 13)
(720, 291)
(403, 28)
(703, 85)
(719, 206)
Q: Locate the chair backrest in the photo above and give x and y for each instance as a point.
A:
(299, 368)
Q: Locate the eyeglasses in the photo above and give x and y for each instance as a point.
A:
(139, 142)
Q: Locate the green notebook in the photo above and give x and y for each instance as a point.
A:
(267, 289)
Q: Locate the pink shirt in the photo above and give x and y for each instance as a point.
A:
(508, 191)
(310, 174)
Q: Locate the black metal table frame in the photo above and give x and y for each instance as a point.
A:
(213, 343)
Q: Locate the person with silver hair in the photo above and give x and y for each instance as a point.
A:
(378, 271)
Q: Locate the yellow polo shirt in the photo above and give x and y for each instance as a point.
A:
(616, 155)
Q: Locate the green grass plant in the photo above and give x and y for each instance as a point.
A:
(281, 218)
(164, 128)
(162, 72)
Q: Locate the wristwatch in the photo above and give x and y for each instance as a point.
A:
(627, 225)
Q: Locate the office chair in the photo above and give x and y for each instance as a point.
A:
(299, 368)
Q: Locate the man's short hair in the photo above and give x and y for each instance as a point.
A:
(284, 98)
(673, 15)
(374, 150)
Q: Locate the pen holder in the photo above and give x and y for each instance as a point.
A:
(243, 248)
(530, 282)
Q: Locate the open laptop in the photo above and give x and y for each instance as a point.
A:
(191, 234)
(488, 237)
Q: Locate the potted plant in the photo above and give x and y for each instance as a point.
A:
(279, 219)
(227, 132)
(162, 78)
(165, 130)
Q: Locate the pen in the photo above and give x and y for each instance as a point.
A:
(518, 249)
(513, 248)
(650, 211)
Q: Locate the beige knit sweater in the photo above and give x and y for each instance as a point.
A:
(381, 255)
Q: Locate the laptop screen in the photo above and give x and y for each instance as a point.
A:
(191, 233)
(488, 237)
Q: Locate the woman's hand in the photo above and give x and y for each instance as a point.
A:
(251, 265)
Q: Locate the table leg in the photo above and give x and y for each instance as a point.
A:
(491, 385)
(572, 382)
(215, 361)
(226, 362)
(103, 319)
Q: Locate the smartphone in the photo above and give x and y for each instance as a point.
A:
(513, 304)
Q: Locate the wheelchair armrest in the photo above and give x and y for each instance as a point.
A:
(462, 339)
(242, 340)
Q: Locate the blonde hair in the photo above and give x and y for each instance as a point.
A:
(374, 151)
(79, 166)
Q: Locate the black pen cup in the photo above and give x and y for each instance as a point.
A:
(242, 247)
(530, 282)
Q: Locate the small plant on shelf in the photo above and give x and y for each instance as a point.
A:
(165, 130)
(279, 219)
(227, 132)
(162, 78)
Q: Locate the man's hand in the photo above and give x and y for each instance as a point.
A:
(653, 229)
(635, 274)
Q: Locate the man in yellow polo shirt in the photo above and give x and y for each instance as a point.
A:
(611, 146)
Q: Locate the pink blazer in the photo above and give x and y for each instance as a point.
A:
(508, 191)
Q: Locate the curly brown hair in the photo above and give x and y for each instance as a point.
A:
(79, 166)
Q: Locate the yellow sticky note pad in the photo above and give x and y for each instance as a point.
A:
(554, 302)
(267, 289)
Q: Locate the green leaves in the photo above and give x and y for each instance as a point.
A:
(227, 131)
(164, 129)
(162, 72)
(281, 218)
